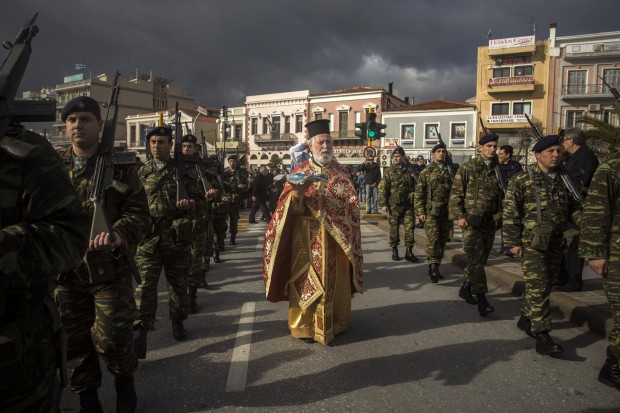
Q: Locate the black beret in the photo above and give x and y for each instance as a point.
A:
(398, 150)
(160, 131)
(317, 127)
(81, 104)
(233, 157)
(545, 142)
(439, 145)
(189, 138)
(488, 137)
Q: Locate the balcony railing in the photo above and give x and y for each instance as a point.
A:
(588, 90)
(592, 49)
(275, 137)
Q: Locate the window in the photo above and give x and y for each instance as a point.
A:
(430, 133)
(500, 109)
(524, 70)
(501, 72)
(275, 124)
(343, 124)
(576, 82)
(519, 108)
(457, 134)
(254, 126)
(287, 124)
(611, 117)
(612, 77)
(571, 118)
(318, 116)
(265, 125)
(299, 123)
(162, 88)
(238, 132)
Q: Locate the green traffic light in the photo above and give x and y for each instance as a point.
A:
(371, 134)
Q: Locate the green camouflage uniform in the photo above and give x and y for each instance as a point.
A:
(220, 214)
(520, 219)
(476, 192)
(168, 245)
(600, 237)
(396, 191)
(232, 180)
(46, 231)
(97, 307)
(432, 193)
(199, 232)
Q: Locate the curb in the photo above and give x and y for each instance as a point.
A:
(590, 314)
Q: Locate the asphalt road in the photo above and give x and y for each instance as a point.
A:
(412, 346)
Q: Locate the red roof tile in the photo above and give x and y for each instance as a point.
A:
(434, 105)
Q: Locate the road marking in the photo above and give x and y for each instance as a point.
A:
(237, 375)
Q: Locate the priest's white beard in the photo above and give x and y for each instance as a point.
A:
(325, 157)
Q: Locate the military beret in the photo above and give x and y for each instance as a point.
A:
(189, 138)
(439, 145)
(81, 104)
(488, 137)
(160, 131)
(545, 142)
(398, 150)
(317, 127)
(233, 157)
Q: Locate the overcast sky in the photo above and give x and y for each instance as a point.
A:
(224, 50)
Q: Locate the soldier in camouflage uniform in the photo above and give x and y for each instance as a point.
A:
(44, 230)
(432, 193)
(535, 215)
(600, 244)
(235, 185)
(95, 299)
(219, 205)
(396, 191)
(168, 245)
(475, 203)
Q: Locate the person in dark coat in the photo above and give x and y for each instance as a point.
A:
(260, 192)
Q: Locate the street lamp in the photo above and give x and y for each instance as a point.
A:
(226, 126)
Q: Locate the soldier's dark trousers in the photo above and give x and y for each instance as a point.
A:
(176, 262)
(263, 208)
(404, 215)
(98, 320)
(539, 270)
(477, 244)
(220, 226)
(437, 230)
(611, 285)
(233, 217)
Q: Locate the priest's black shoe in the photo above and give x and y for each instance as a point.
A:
(126, 399)
(216, 257)
(525, 324)
(410, 257)
(465, 293)
(545, 344)
(484, 308)
(395, 256)
(610, 373)
(178, 330)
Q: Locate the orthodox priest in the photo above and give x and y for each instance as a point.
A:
(313, 255)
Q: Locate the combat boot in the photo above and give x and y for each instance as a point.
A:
(126, 399)
(395, 256)
(178, 330)
(216, 257)
(465, 293)
(203, 282)
(139, 342)
(89, 402)
(545, 344)
(433, 271)
(193, 305)
(484, 308)
(525, 324)
(610, 373)
(409, 255)
(233, 239)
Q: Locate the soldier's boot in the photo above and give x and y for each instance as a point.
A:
(216, 257)
(193, 305)
(395, 256)
(126, 399)
(178, 330)
(139, 342)
(484, 308)
(525, 324)
(465, 293)
(409, 255)
(203, 282)
(89, 402)
(233, 239)
(433, 271)
(610, 372)
(545, 344)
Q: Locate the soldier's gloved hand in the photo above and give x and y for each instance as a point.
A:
(102, 242)
(599, 266)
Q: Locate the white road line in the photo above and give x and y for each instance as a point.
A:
(238, 372)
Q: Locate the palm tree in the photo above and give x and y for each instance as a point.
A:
(603, 138)
(274, 162)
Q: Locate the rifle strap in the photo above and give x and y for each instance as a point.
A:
(537, 189)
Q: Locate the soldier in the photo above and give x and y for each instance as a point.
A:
(600, 244)
(432, 193)
(236, 185)
(219, 206)
(168, 245)
(475, 203)
(95, 299)
(41, 215)
(536, 210)
(396, 191)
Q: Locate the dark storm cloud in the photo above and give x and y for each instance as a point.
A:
(222, 51)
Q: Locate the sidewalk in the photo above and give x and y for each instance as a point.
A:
(589, 308)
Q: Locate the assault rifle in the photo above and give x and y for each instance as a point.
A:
(11, 73)
(449, 163)
(499, 171)
(567, 179)
(179, 159)
(613, 90)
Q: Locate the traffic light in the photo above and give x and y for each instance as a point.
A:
(361, 131)
(374, 128)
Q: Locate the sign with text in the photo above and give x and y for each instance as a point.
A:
(506, 118)
(512, 42)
